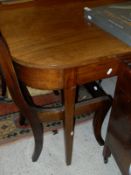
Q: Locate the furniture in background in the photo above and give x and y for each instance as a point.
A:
(49, 45)
(118, 139)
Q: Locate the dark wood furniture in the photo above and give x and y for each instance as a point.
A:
(49, 45)
(118, 139)
(100, 104)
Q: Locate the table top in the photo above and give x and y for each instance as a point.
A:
(55, 34)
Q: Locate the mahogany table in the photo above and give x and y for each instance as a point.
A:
(54, 47)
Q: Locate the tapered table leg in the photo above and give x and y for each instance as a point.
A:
(69, 103)
(69, 96)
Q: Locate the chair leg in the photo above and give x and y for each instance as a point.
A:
(38, 135)
(3, 84)
(98, 119)
(22, 120)
(30, 114)
(28, 98)
(26, 93)
(17, 95)
(38, 132)
(106, 153)
(69, 99)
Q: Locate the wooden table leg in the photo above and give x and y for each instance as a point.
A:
(69, 96)
(69, 103)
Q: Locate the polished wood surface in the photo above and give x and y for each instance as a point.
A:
(48, 37)
(57, 35)
(51, 46)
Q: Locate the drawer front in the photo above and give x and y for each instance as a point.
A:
(95, 72)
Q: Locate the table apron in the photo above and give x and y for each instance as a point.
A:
(97, 71)
(51, 78)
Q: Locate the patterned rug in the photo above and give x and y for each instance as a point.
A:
(10, 130)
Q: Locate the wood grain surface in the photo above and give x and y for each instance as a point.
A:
(56, 36)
